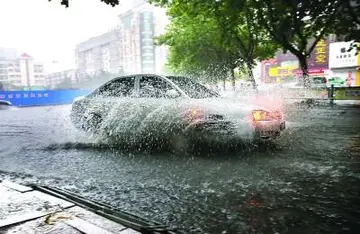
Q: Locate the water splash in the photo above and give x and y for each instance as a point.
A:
(156, 121)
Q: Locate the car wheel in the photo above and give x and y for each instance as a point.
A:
(93, 121)
(180, 144)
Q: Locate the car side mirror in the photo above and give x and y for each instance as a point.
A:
(172, 93)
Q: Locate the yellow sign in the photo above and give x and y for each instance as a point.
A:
(281, 71)
(273, 71)
(320, 52)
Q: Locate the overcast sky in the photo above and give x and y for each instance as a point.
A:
(48, 31)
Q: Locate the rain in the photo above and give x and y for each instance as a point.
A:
(210, 154)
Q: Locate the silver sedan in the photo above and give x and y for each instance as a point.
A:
(150, 109)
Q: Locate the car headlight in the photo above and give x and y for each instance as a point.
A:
(261, 115)
(193, 115)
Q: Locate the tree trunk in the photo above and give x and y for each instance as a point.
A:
(224, 83)
(305, 72)
(233, 79)
(251, 75)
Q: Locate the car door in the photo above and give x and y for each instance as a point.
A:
(155, 105)
(114, 94)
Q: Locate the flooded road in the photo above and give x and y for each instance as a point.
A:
(307, 182)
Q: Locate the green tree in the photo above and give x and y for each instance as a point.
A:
(297, 25)
(201, 38)
(195, 48)
(242, 31)
(348, 20)
(109, 2)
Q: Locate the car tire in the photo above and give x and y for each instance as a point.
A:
(93, 122)
(179, 144)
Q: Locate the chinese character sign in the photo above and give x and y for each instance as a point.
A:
(319, 56)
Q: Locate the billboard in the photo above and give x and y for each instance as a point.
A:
(319, 57)
(343, 55)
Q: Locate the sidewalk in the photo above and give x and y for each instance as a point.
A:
(25, 210)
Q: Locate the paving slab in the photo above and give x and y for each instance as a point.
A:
(25, 210)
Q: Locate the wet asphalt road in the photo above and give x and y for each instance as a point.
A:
(307, 182)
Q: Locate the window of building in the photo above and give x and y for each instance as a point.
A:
(147, 15)
(126, 20)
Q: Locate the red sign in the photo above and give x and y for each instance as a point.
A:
(310, 71)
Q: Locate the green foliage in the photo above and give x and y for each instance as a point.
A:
(109, 2)
(297, 25)
(292, 23)
(348, 20)
(195, 47)
(214, 37)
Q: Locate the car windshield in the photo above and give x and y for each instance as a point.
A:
(192, 88)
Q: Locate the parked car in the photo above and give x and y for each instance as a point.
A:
(336, 81)
(4, 104)
(169, 107)
(318, 82)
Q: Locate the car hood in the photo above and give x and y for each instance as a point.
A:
(224, 106)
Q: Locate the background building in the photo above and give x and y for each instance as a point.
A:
(20, 71)
(55, 79)
(138, 28)
(99, 54)
(130, 48)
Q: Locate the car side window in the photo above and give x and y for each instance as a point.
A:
(123, 87)
(154, 87)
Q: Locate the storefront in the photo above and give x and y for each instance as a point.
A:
(318, 62)
(344, 63)
(285, 67)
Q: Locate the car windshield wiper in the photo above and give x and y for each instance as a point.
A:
(124, 218)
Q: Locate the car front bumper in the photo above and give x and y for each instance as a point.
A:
(269, 129)
(225, 130)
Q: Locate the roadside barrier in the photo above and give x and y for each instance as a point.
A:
(42, 97)
(332, 93)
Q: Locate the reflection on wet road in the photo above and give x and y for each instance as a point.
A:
(307, 182)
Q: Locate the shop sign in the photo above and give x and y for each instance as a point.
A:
(319, 57)
(343, 54)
